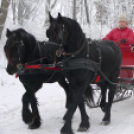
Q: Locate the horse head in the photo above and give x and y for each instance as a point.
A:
(20, 48)
(57, 31)
(66, 32)
(14, 50)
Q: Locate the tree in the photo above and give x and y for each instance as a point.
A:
(74, 9)
(47, 10)
(3, 14)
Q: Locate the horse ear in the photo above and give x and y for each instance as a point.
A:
(8, 33)
(50, 17)
(60, 19)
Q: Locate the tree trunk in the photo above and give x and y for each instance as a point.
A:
(87, 14)
(3, 14)
(14, 10)
(47, 10)
(74, 10)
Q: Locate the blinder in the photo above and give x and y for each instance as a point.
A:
(60, 34)
(21, 49)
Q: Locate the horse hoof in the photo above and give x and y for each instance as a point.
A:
(67, 133)
(34, 124)
(105, 123)
(33, 127)
(82, 129)
(63, 131)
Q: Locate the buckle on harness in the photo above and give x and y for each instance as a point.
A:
(21, 68)
(58, 53)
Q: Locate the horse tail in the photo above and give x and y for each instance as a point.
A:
(88, 96)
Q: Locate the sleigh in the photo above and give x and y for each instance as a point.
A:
(126, 78)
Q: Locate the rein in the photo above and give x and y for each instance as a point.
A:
(60, 52)
(36, 60)
(72, 53)
(39, 59)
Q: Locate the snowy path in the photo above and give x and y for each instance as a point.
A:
(52, 102)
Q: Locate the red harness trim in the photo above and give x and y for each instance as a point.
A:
(16, 75)
(97, 79)
(39, 67)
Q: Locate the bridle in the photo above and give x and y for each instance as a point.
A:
(21, 54)
(21, 50)
(60, 51)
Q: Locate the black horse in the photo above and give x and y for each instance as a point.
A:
(21, 47)
(76, 50)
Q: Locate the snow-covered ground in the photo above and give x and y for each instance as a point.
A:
(52, 108)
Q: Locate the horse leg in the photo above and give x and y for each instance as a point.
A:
(103, 103)
(69, 95)
(31, 117)
(36, 117)
(107, 117)
(70, 100)
(66, 129)
(84, 125)
(26, 113)
(112, 88)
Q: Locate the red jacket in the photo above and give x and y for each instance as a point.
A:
(117, 34)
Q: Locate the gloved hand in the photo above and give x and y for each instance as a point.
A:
(123, 41)
(132, 49)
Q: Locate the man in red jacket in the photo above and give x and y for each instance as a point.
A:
(122, 35)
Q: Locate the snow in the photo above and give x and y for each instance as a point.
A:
(52, 108)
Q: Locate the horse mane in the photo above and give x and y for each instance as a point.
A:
(28, 38)
(76, 35)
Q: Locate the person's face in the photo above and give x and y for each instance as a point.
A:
(122, 24)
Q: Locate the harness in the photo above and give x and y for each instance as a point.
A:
(69, 63)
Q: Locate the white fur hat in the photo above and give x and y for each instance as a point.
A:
(123, 17)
